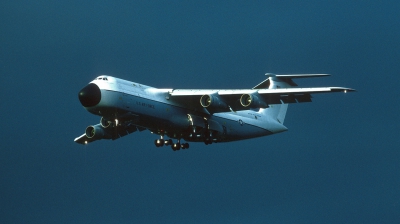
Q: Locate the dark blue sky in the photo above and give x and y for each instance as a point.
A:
(338, 163)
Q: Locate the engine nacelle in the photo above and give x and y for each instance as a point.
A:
(253, 101)
(105, 123)
(213, 102)
(96, 132)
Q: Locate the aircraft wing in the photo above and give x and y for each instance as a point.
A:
(98, 132)
(231, 97)
(201, 92)
(83, 139)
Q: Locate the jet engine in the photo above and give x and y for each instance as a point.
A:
(213, 102)
(253, 101)
(96, 132)
(104, 122)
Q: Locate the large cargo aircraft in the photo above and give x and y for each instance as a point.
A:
(192, 115)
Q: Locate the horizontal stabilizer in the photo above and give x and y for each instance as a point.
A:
(286, 78)
(295, 76)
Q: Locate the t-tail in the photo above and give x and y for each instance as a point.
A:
(277, 108)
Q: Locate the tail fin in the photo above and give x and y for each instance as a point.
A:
(276, 111)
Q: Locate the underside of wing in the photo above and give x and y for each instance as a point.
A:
(99, 131)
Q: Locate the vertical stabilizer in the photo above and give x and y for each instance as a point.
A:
(276, 111)
(282, 113)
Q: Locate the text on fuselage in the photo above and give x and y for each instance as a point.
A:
(145, 104)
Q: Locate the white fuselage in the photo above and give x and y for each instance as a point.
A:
(156, 110)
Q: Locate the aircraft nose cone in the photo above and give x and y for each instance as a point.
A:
(90, 95)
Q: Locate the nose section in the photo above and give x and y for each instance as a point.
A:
(90, 95)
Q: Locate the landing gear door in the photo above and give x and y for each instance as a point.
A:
(196, 121)
(215, 126)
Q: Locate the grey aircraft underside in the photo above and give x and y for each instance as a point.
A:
(194, 115)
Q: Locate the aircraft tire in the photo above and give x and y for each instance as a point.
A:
(159, 142)
(168, 142)
(208, 141)
(176, 146)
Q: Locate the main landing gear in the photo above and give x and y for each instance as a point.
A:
(175, 146)
(208, 139)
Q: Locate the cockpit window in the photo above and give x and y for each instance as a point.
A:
(104, 78)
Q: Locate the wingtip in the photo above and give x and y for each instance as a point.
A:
(342, 89)
(349, 90)
(81, 140)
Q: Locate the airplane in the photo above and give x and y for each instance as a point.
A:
(192, 115)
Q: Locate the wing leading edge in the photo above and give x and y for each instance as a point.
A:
(284, 91)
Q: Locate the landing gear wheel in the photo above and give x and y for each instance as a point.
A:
(208, 140)
(185, 145)
(176, 146)
(168, 142)
(159, 142)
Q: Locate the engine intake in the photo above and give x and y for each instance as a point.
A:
(95, 132)
(213, 102)
(252, 101)
(105, 123)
